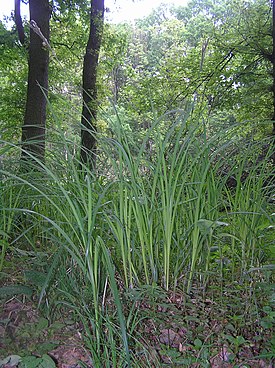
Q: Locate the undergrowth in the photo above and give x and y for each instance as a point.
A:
(155, 243)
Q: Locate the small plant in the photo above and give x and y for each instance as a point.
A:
(236, 342)
(45, 361)
(268, 320)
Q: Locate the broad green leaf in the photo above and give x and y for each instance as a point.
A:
(12, 290)
(198, 343)
(11, 360)
(47, 362)
(35, 277)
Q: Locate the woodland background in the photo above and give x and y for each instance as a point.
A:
(137, 186)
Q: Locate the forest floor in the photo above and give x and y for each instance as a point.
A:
(176, 332)
(228, 326)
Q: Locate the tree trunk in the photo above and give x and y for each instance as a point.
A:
(273, 62)
(89, 109)
(18, 22)
(273, 77)
(33, 130)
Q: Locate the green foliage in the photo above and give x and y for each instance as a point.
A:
(10, 199)
(163, 217)
(28, 362)
(183, 192)
(32, 362)
(210, 53)
(13, 84)
(13, 290)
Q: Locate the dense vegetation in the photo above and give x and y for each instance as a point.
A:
(161, 253)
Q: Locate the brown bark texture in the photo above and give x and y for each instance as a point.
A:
(33, 130)
(90, 107)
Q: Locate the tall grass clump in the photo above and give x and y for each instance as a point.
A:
(9, 202)
(65, 209)
(249, 209)
(177, 212)
(164, 216)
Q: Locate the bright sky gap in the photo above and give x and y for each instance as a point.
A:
(120, 10)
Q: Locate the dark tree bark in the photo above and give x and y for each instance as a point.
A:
(273, 62)
(272, 59)
(89, 109)
(33, 130)
(18, 21)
